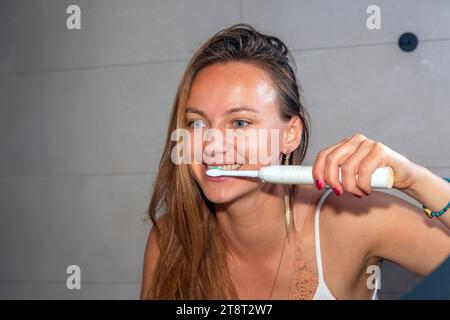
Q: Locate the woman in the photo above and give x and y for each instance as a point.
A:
(242, 238)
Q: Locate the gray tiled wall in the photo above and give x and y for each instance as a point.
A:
(80, 111)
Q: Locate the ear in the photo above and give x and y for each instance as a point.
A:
(293, 135)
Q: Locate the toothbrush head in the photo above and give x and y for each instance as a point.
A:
(219, 172)
(215, 172)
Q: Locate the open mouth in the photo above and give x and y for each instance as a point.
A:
(206, 167)
(225, 167)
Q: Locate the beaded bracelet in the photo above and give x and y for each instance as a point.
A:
(432, 214)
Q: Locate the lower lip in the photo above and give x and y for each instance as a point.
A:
(215, 179)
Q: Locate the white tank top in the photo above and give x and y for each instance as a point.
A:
(322, 291)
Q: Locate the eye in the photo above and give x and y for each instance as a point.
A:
(240, 123)
(196, 124)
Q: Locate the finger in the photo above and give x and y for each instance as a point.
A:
(318, 169)
(334, 160)
(349, 168)
(367, 167)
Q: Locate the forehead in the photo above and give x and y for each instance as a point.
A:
(219, 87)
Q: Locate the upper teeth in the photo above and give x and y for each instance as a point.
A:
(226, 167)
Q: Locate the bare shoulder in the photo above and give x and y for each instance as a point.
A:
(349, 209)
(389, 227)
(352, 224)
(377, 207)
(380, 211)
(385, 211)
(151, 255)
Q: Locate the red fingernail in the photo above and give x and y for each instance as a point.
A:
(337, 191)
(319, 184)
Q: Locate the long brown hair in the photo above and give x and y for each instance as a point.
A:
(192, 263)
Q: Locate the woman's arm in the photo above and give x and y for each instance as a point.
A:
(406, 236)
(397, 230)
(359, 157)
(431, 191)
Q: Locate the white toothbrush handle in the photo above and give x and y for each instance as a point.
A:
(381, 178)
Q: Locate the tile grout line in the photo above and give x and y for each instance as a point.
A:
(106, 66)
(107, 174)
(156, 62)
(63, 282)
(79, 175)
(364, 45)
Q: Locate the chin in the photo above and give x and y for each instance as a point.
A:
(227, 190)
(219, 197)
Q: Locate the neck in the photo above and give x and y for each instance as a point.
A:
(254, 224)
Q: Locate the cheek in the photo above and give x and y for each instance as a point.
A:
(261, 147)
(196, 170)
(195, 147)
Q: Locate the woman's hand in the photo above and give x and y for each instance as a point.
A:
(357, 155)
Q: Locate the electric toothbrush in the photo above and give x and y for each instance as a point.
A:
(281, 174)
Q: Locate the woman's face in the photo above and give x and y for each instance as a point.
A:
(232, 96)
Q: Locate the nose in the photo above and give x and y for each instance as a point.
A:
(217, 146)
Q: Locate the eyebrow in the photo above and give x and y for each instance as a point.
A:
(232, 110)
(195, 110)
(241, 108)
